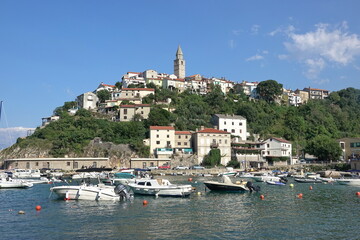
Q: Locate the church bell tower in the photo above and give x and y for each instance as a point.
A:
(179, 64)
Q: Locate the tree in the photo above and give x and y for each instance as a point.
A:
(269, 90)
(324, 148)
(103, 95)
(160, 117)
(118, 85)
(213, 158)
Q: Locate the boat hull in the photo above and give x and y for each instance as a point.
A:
(15, 184)
(85, 193)
(349, 182)
(171, 192)
(308, 180)
(275, 183)
(215, 186)
(265, 178)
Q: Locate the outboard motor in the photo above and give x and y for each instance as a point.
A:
(283, 180)
(251, 187)
(122, 192)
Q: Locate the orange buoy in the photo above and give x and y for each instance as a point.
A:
(190, 179)
(310, 188)
(262, 197)
(358, 194)
(300, 195)
(145, 202)
(38, 208)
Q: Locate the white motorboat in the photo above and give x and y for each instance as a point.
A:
(26, 173)
(14, 183)
(263, 177)
(92, 192)
(227, 185)
(159, 187)
(349, 181)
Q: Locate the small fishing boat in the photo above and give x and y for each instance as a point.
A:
(14, 183)
(349, 181)
(308, 180)
(92, 192)
(275, 183)
(159, 187)
(228, 186)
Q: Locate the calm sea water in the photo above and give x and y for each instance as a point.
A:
(326, 212)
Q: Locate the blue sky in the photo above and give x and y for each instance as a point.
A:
(53, 51)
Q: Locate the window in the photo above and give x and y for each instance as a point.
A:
(148, 183)
(219, 141)
(233, 130)
(179, 143)
(268, 145)
(225, 141)
(67, 163)
(232, 123)
(167, 136)
(214, 140)
(142, 112)
(168, 143)
(94, 164)
(225, 123)
(240, 123)
(27, 165)
(185, 143)
(37, 164)
(225, 130)
(268, 152)
(125, 117)
(186, 137)
(141, 183)
(144, 164)
(76, 165)
(16, 164)
(157, 142)
(125, 111)
(157, 135)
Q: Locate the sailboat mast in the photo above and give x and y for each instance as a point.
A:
(0, 109)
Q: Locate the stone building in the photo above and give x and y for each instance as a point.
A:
(179, 64)
(209, 138)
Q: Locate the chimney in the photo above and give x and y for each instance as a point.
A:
(202, 128)
(216, 127)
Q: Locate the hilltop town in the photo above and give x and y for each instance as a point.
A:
(224, 139)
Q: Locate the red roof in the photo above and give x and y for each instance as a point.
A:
(103, 84)
(183, 132)
(135, 72)
(161, 128)
(212, 130)
(138, 89)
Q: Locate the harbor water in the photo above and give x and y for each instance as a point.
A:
(328, 211)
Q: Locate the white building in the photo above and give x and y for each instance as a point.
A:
(162, 141)
(87, 101)
(234, 124)
(277, 147)
(209, 138)
(107, 87)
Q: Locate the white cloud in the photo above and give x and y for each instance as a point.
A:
(255, 58)
(236, 32)
(285, 30)
(319, 48)
(314, 67)
(255, 29)
(8, 136)
(265, 52)
(283, 56)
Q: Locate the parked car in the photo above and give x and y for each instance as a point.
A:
(197, 167)
(152, 168)
(164, 166)
(180, 168)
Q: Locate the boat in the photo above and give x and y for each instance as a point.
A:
(159, 187)
(308, 180)
(226, 185)
(92, 192)
(263, 177)
(14, 183)
(275, 183)
(26, 173)
(350, 182)
(85, 173)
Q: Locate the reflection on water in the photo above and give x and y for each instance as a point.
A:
(326, 212)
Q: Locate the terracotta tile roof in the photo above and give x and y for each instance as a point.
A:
(315, 89)
(212, 130)
(138, 89)
(182, 132)
(107, 85)
(135, 72)
(161, 128)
